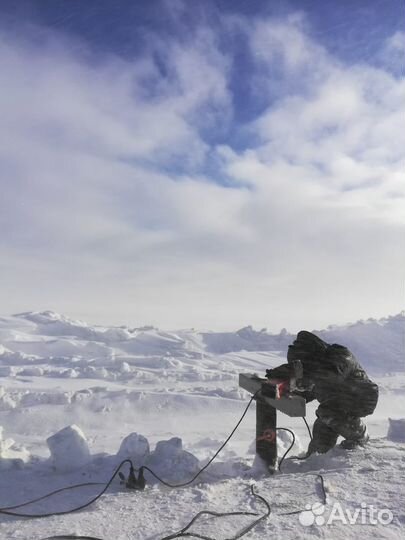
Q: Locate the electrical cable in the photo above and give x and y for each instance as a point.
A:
(7, 510)
(71, 537)
(183, 531)
(308, 428)
(318, 475)
(324, 497)
(63, 512)
(306, 455)
(289, 448)
(67, 488)
(183, 484)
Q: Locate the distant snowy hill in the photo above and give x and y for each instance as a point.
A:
(33, 337)
(378, 344)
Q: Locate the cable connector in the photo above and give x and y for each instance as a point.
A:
(132, 482)
(141, 480)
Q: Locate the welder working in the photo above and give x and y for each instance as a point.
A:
(332, 375)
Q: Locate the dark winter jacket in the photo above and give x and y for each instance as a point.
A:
(333, 375)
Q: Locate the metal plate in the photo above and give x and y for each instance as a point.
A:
(291, 405)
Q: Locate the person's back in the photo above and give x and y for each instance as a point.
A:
(333, 376)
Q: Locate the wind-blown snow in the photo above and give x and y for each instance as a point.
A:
(168, 400)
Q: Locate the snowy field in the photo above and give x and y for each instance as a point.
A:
(111, 382)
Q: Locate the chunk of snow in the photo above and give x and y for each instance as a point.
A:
(396, 430)
(135, 447)
(170, 448)
(69, 449)
(170, 461)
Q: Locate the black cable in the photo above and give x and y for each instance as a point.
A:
(310, 436)
(289, 448)
(71, 537)
(324, 497)
(183, 532)
(211, 460)
(319, 475)
(308, 428)
(7, 510)
(62, 512)
(85, 484)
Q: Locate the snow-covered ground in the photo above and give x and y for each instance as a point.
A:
(111, 382)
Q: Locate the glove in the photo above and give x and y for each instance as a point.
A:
(282, 372)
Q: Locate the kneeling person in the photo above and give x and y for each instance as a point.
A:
(333, 376)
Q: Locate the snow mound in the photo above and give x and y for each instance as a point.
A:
(396, 430)
(134, 447)
(171, 462)
(69, 449)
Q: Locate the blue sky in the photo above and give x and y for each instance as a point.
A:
(203, 163)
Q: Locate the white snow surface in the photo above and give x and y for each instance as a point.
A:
(169, 400)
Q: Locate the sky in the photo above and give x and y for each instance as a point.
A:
(207, 164)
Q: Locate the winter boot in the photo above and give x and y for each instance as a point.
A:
(355, 435)
(351, 444)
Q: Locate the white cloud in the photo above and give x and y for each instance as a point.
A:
(346, 135)
(97, 223)
(392, 53)
(285, 40)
